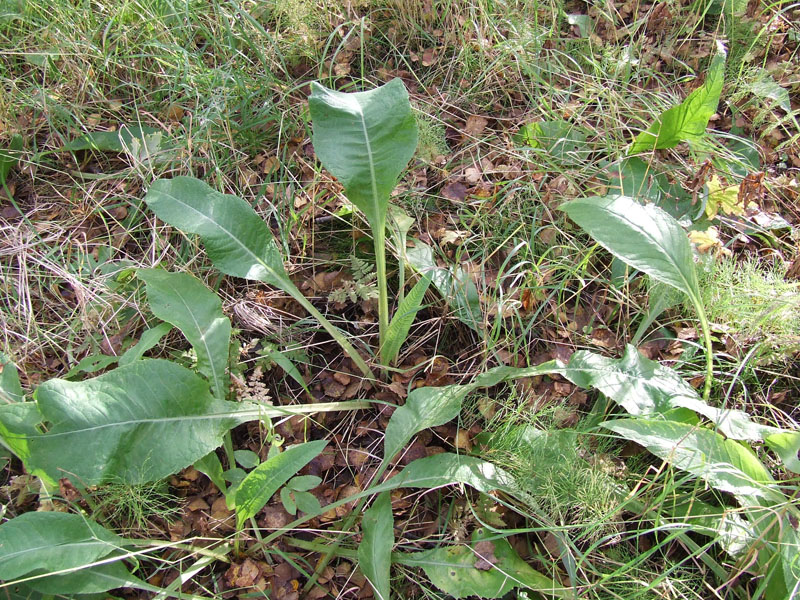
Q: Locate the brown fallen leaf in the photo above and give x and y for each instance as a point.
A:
(486, 557)
(475, 125)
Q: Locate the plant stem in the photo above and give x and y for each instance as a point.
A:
(701, 313)
(336, 334)
(379, 240)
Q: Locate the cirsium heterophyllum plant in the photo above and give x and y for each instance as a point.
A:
(365, 139)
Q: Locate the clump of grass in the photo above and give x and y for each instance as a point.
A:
(432, 143)
(552, 468)
(753, 303)
(131, 508)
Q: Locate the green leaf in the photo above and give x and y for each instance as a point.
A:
(645, 237)
(262, 482)
(236, 239)
(135, 424)
(688, 120)
(148, 340)
(307, 503)
(641, 386)
(453, 284)
(447, 469)
(247, 459)
(428, 407)
(211, 467)
(285, 363)
(40, 542)
(288, 501)
(185, 301)
(726, 465)
(403, 318)
(10, 388)
(90, 580)
(786, 444)
(17, 424)
(562, 141)
(123, 140)
(238, 242)
(303, 483)
(365, 139)
(91, 364)
(10, 157)
(375, 549)
(488, 568)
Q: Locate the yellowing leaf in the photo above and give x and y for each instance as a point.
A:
(707, 240)
(725, 199)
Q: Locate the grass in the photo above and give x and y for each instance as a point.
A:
(225, 85)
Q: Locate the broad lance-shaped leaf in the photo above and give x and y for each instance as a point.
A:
(365, 139)
(134, 424)
(39, 542)
(645, 237)
(688, 120)
(10, 388)
(726, 465)
(375, 549)
(238, 242)
(432, 406)
(184, 301)
(487, 568)
(262, 482)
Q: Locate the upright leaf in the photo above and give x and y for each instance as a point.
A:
(262, 482)
(688, 120)
(134, 424)
(365, 139)
(403, 318)
(645, 237)
(10, 388)
(375, 549)
(148, 339)
(184, 301)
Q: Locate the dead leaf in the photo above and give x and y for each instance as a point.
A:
(429, 57)
(475, 125)
(486, 557)
(457, 192)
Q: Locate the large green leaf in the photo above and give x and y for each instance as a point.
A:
(184, 301)
(487, 568)
(642, 387)
(236, 239)
(375, 549)
(41, 542)
(645, 237)
(10, 388)
(726, 465)
(365, 139)
(262, 482)
(688, 120)
(135, 424)
(18, 424)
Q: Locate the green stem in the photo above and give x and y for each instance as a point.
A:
(379, 239)
(335, 333)
(701, 313)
